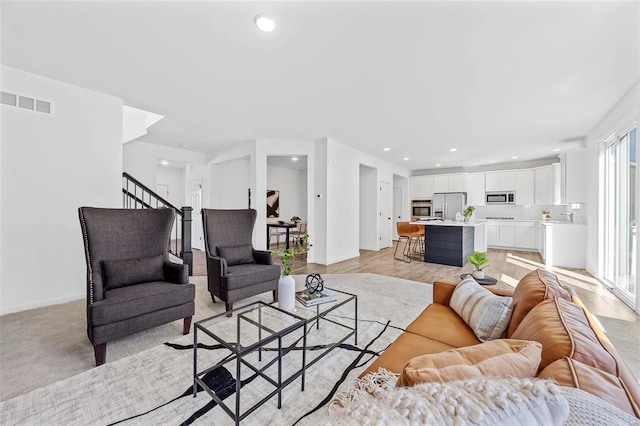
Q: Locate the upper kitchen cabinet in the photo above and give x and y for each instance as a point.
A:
(450, 183)
(475, 189)
(525, 187)
(573, 177)
(547, 185)
(500, 181)
(421, 187)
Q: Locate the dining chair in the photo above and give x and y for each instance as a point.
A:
(298, 233)
(411, 234)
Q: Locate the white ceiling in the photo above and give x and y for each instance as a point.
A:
(492, 79)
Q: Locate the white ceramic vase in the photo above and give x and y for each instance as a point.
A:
(287, 293)
(478, 274)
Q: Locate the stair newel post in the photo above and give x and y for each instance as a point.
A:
(186, 254)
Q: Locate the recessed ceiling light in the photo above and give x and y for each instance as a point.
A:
(438, 165)
(555, 150)
(406, 158)
(453, 149)
(387, 149)
(164, 162)
(514, 157)
(492, 162)
(294, 158)
(265, 23)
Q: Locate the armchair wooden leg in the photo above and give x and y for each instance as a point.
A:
(100, 352)
(275, 295)
(229, 307)
(186, 326)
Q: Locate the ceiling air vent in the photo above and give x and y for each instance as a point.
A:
(25, 102)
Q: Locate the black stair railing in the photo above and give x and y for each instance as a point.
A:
(136, 195)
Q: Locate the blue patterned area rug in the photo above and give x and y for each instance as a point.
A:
(155, 386)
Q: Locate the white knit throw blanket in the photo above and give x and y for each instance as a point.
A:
(374, 399)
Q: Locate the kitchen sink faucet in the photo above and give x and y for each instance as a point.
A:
(570, 214)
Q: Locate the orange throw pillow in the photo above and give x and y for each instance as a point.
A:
(499, 358)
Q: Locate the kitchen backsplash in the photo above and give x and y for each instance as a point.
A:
(530, 212)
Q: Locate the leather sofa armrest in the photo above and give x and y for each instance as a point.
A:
(263, 257)
(177, 273)
(442, 291)
(500, 291)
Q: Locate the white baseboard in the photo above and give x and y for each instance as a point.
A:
(41, 303)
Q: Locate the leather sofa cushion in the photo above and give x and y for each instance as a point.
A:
(405, 347)
(499, 358)
(488, 315)
(532, 289)
(237, 255)
(572, 373)
(564, 331)
(442, 324)
(122, 273)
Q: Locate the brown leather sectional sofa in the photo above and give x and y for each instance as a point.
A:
(575, 350)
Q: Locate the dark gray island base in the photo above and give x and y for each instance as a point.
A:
(448, 245)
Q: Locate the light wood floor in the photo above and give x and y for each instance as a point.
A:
(508, 266)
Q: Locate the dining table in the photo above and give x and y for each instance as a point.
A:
(284, 225)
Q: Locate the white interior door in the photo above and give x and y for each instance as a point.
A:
(385, 207)
(195, 196)
(397, 211)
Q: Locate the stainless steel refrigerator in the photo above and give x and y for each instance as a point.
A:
(447, 204)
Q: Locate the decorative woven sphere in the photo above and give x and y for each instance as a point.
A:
(314, 282)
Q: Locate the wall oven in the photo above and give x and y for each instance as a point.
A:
(421, 208)
(508, 197)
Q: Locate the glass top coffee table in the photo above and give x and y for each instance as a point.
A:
(269, 348)
(245, 336)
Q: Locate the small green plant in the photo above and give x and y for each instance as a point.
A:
(288, 256)
(296, 219)
(478, 259)
(468, 211)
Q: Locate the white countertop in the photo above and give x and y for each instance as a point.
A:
(471, 223)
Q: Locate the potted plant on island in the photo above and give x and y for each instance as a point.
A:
(468, 212)
(286, 283)
(479, 261)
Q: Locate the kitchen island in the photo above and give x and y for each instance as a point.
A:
(449, 242)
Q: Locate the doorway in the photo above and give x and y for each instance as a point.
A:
(386, 215)
(195, 197)
(620, 215)
(368, 206)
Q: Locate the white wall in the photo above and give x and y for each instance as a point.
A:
(293, 191)
(50, 166)
(230, 182)
(627, 107)
(140, 159)
(368, 208)
(174, 178)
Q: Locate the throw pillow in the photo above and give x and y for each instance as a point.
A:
(237, 255)
(120, 273)
(502, 358)
(488, 315)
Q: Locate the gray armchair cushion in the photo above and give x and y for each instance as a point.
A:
(239, 276)
(237, 255)
(122, 273)
(177, 273)
(136, 300)
(263, 257)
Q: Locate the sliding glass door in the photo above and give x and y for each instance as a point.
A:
(620, 215)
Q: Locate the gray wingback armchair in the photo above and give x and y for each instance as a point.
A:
(131, 284)
(234, 269)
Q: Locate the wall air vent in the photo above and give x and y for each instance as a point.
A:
(25, 102)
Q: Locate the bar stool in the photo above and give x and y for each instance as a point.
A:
(407, 232)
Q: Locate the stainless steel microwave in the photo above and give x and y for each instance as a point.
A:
(507, 197)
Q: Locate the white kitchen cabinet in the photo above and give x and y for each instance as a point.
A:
(493, 234)
(524, 180)
(547, 185)
(475, 189)
(573, 177)
(450, 183)
(500, 181)
(421, 187)
(540, 227)
(507, 236)
(458, 182)
(480, 237)
(565, 245)
(525, 235)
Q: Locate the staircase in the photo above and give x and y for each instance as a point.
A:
(135, 195)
